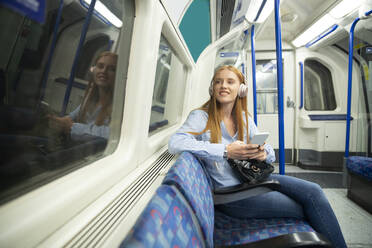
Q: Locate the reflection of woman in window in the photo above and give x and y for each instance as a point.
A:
(93, 115)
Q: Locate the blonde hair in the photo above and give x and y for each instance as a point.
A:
(213, 108)
(91, 97)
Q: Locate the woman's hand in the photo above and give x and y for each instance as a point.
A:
(242, 151)
(261, 154)
(62, 124)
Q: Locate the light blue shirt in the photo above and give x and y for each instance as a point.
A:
(89, 127)
(211, 153)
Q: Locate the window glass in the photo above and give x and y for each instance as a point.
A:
(55, 100)
(167, 100)
(267, 93)
(318, 86)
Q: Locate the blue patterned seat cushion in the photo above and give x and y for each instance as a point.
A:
(361, 166)
(188, 176)
(232, 231)
(167, 221)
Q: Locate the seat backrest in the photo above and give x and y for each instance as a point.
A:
(188, 176)
(361, 166)
(167, 221)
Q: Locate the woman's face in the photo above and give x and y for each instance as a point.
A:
(225, 87)
(104, 71)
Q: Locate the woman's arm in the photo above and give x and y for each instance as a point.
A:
(74, 114)
(182, 140)
(78, 129)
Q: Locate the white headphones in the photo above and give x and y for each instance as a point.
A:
(242, 92)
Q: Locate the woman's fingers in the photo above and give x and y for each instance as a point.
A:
(261, 155)
(240, 150)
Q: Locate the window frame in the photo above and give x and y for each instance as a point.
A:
(56, 203)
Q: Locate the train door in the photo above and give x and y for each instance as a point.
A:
(267, 99)
(322, 119)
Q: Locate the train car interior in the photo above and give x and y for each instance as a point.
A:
(307, 65)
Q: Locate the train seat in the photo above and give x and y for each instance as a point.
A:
(167, 221)
(188, 175)
(361, 166)
(360, 181)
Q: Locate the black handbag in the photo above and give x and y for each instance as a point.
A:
(251, 171)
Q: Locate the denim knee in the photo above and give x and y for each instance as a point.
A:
(314, 191)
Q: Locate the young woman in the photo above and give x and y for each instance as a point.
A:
(221, 129)
(93, 115)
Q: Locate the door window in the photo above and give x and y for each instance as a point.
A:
(318, 86)
(267, 92)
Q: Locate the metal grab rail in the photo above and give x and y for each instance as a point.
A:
(322, 35)
(349, 91)
(279, 62)
(349, 88)
(301, 85)
(253, 52)
(77, 55)
(51, 52)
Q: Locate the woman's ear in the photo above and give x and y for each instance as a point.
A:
(91, 69)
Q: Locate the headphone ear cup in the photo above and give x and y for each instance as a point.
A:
(243, 90)
(211, 88)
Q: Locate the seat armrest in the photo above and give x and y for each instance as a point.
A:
(290, 240)
(243, 191)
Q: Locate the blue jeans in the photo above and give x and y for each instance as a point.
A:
(296, 198)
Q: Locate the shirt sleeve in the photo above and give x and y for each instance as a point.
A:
(182, 140)
(74, 114)
(268, 148)
(92, 129)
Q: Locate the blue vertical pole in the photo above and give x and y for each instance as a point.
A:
(301, 85)
(253, 52)
(77, 55)
(279, 62)
(349, 91)
(349, 85)
(51, 52)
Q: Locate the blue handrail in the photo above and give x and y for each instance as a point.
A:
(77, 55)
(97, 14)
(349, 88)
(301, 85)
(260, 10)
(322, 35)
(279, 62)
(51, 52)
(253, 52)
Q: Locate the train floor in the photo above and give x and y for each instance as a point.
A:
(355, 222)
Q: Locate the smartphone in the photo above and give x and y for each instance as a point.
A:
(259, 138)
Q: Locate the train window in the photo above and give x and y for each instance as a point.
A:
(167, 97)
(267, 92)
(57, 91)
(318, 87)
